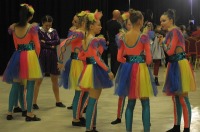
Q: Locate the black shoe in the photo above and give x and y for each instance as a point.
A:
(28, 118)
(69, 107)
(9, 117)
(82, 120)
(35, 107)
(78, 124)
(17, 110)
(60, 104)
(24, 113)
(176, 128)
(93, 130)
(156, 81)
(116, 121)
(186, 130)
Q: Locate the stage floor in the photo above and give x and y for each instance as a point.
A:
(56, 119)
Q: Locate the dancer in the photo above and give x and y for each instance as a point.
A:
(24, 64)
(73, 69)
(74, 26)
(179, 79)
(96, 74)
(134, 79)
(121, 101)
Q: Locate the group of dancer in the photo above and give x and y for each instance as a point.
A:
(87, 74)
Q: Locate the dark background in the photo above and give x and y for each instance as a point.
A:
(63, 11)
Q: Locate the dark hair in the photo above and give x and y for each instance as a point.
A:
(47, 18)
(170, 13)
(24, 15)
(135, 16)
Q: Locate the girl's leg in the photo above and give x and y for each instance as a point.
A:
(12, 98)
(54, 80)
(91, 109)
(185, 103)
(36, 92)
(76, 105)
(146, 114)
(177, 114)
(120, 109)
(129, 114)
(29, 97)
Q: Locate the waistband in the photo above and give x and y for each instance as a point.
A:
(134, 59)
(74, 55)
(25, 47)
(90, 60)
(177, 57)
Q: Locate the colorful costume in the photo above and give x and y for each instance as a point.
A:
(24, 62)
(48, 54)
(73, 68)
(94, 76)
(23, 65)
(134, 79)
(179, 78)
(121, 100)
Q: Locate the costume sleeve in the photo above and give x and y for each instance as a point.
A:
(64, 44)
(101, 44)
(120, 54)
(97, 58)
(146, 42)
(170, 48)
(55, 40)
(11, 31)
(35, 38)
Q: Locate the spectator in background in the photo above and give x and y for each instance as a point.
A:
(183, 30)
(113, 27)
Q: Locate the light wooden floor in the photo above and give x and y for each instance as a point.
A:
(59, 119)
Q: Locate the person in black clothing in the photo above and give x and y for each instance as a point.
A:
(113, 27)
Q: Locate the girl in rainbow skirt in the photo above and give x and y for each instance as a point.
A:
(179, 79)
(133, 77)
(96, 74)
(24, 65)
(121, 100)
(73, 69)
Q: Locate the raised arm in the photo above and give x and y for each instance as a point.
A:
(64, 45)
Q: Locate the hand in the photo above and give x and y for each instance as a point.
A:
(111, 76)
(42, 41)
(60, 66)
(52, 47)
